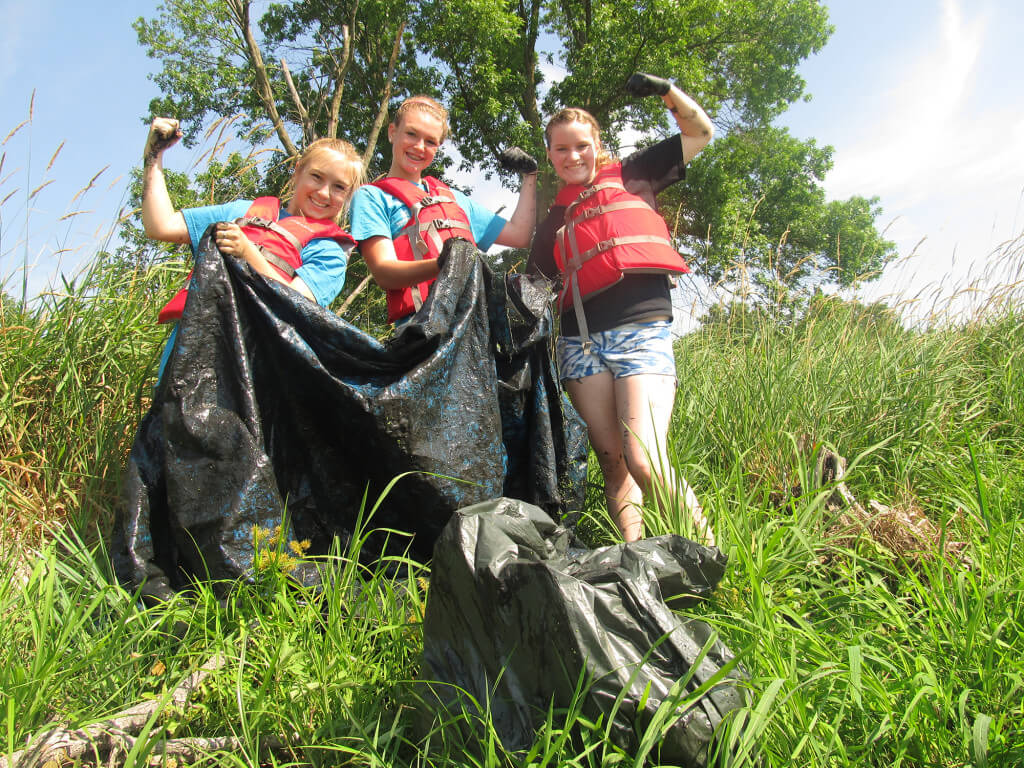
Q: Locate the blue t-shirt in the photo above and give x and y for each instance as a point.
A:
(375, 213)
(324, 261)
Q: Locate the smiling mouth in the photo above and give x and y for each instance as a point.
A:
(317, 207)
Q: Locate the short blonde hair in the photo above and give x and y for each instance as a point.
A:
(427, 105)
(355, 172)
(577, 115)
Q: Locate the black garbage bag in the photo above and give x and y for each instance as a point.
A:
(270, 405)
(517, 619)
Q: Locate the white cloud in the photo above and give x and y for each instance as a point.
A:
(945, 153)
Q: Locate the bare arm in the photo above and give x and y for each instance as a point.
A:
(518, 232)
(694, 124)
(390, 273)
(159, 218)
(232, 240)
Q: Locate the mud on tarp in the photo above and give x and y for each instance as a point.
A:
(515, 620)
(271, 402)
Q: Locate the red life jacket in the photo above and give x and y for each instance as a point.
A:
(434, 217)
(609, 232)
(279, 240)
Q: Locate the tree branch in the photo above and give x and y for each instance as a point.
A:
(307, 126)
(530, 112)
(352, 296)
(108, 735)
(339, 78)
(240, 12)
(385, 98)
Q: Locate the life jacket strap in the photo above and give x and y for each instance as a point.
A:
(589, 192)
(607, 245)
(597, 210)
(273, 226)
(277, 261)
(581, 316)
(419, 233)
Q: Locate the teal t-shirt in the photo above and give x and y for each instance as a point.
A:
(324, 261)
(375, 213)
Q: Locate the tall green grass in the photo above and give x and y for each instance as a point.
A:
(75, 378)
(863, 653)
(75, 374)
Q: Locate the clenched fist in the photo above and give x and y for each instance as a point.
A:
(516, 160)
(164, 132)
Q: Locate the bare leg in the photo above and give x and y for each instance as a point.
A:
(644, 405)
(594, 399)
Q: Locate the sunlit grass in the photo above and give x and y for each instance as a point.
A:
(860, 652)
(75, 378)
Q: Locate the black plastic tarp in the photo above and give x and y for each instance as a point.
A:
(271, 403)
(517, 621)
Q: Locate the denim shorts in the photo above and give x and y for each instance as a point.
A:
(627, 350)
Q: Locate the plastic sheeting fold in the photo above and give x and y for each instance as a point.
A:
(270, 403)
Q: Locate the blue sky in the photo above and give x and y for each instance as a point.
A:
(920, 98)
(89, 77)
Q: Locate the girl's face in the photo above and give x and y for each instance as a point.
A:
(414, 142)
(573, 151)
(322, 186)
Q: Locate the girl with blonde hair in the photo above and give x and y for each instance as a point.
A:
(605, 241)
(302, 247)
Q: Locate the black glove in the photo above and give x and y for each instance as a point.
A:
(640, 84)
(516, 160)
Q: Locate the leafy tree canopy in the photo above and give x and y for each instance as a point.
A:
(755, 216)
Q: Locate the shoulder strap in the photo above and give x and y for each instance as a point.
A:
(264, 212)
(268, 207)
(406, 191)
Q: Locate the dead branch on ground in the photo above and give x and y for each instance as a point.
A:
(114, 737)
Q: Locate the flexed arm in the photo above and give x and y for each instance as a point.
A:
(519, 231)
(162, 222)
(159, 218)
(694, 124)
